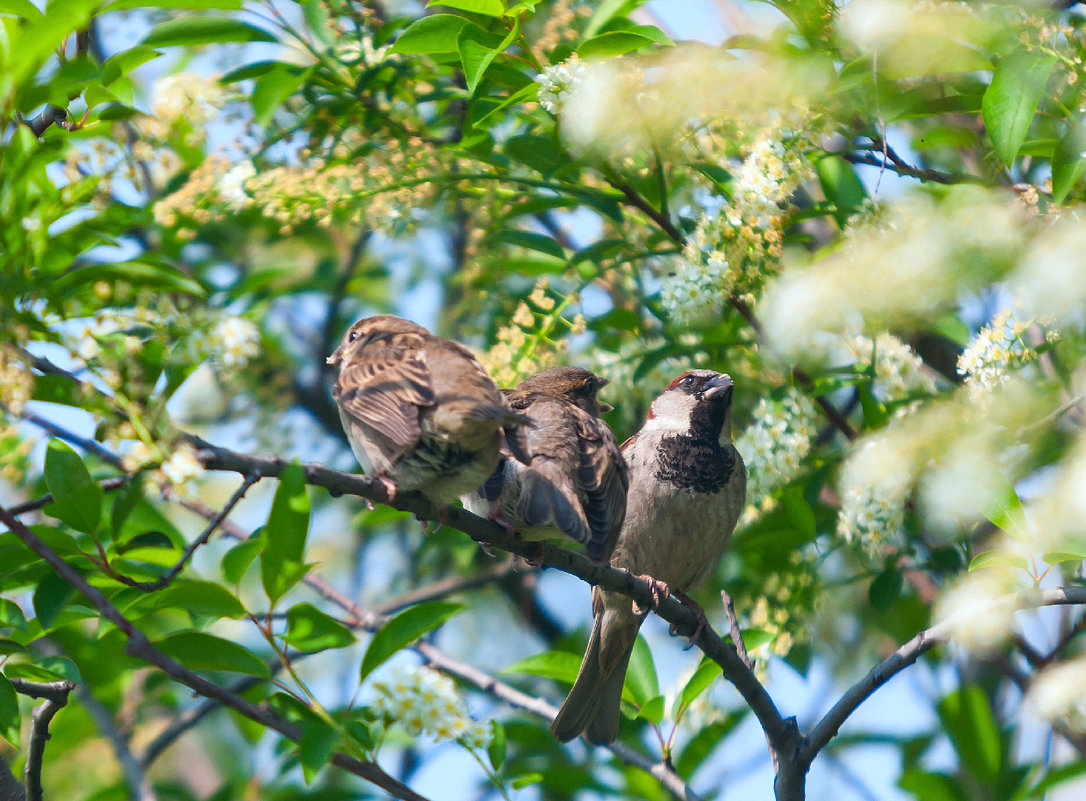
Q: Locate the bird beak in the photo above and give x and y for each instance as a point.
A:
(718, 386)
(603, 381)
(605, 406)
(336, 357)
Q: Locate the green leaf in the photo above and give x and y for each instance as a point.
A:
(225, 5)
(190, 31)
(497, 748)
(525, 780)
(653, 710)
(11, 615)
(200, 598)
(799, 510)
(641, 682)
(434, 34)
(1068, 161)
(997, 558)
(315, 749)
(1017, 88)
(9, 713)
(139, 273)
(198, 650)
(273, 88)
(885, 589)
(842, 187)
(77, 498)
(281, 561)
(560, 665)
(703, 677)
(310, 629)
(1056, 557)
(541, 153)
(968, 721)
(608, 10)
(477, 50)
(51, 596)
(20, 8)
(613, 43)
(404, 629)
(8, 647)
(490, 8)
(237, 560)
(532, 241)
(930, 786)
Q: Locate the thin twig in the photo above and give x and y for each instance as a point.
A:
(56, 697)
(107, 484)
(733, 627)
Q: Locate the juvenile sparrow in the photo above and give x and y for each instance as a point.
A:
(687, 489)
(419, 410)
(573, 478)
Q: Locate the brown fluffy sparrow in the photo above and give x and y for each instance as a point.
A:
(573, 478)
(419, 410)
(687, 489)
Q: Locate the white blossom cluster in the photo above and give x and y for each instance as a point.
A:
(977, 609)
(234, 341)
(899, 371)
(182, 469)
(232, 185)
(557, 80)
(189, 97)
(1059, 693)
(423, 701)
(776, 442)
(735, 248)
(873, 490)
(364, 52)
(995, 351)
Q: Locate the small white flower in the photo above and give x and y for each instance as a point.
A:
(694, 291)
(977, 610)
(1059, 693)
(556, 82)
(874, 485)
(776, 442)
(423, 701)
(182, 468)
(232, 185)
(234, 341)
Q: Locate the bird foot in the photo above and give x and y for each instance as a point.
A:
(659, 591)
(701, 622)
(442, 517)
(537, 559)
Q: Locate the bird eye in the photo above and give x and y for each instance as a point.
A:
(351, 337)
(688, 381)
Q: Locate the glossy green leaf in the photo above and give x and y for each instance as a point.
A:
(1058, 557)
(77, 498)
(885, 589)
(491, 8)
(708, 672)
(997, 557)
(652, 710)
(281, 561)
(532, 241)
(497, 748)
(608, 10)
(20, 8)
(51, 596)
(404, 629)
(612, 43)
(560, 665)
(9, 713)
(200, 598)
(1069, 160)
(799, 510)
(1012, 98)
(641, 682)
(310, 629)
(237, 560)
(137, 273)
(527, 779)
(842, 187)
(930, 786)
(437, 33)
(315, 749)
(8, 647)
(969, 723)
(477, 50)
(11, 615)
(198, 650)
(190, 31)
(273, 88)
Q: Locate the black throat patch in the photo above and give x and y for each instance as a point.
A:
(693, 463)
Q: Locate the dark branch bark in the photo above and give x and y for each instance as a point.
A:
(55, 695)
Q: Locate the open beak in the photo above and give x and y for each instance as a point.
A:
(336, 357)
(605, 406)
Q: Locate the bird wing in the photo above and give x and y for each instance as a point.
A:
(603, 479)
(384, 387)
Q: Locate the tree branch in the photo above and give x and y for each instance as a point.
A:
(142, 648)
(55, 694)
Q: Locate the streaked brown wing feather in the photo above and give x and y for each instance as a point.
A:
(604, 479)
(385, 393)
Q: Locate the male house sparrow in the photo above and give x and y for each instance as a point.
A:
(419, 410)
(687, 488)
(573, 478)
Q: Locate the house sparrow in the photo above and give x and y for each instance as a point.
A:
(687, 489)
(573, 478)
(419, 410)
